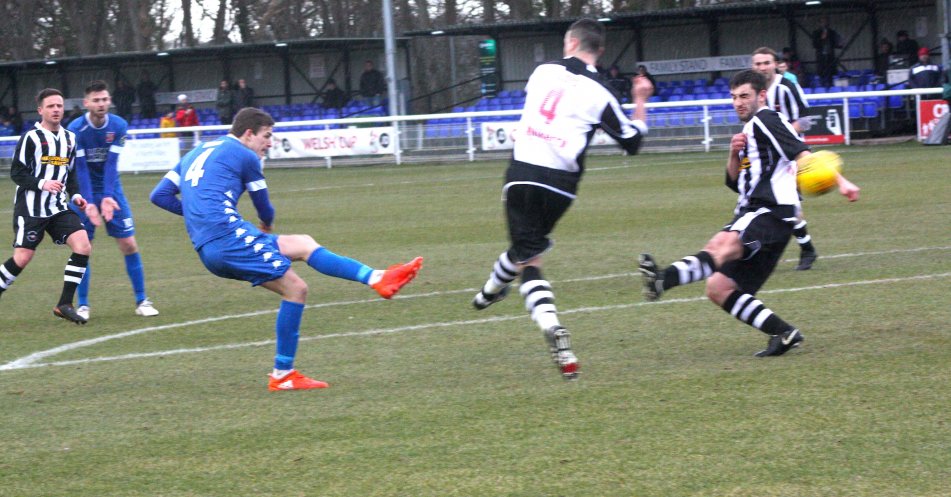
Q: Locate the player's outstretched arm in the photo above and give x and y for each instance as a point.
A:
(848, 189)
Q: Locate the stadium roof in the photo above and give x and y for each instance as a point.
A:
(308, 44)
(631, 18)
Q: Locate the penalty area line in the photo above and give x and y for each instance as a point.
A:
(24, 363)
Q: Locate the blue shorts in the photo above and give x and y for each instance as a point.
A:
(254, 257)
(121, 225)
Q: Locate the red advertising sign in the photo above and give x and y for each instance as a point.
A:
(929, 111)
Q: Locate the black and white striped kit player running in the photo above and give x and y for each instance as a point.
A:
(738, 260)
(41, 168)
(566, 101)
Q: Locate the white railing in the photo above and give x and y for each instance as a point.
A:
(418, 141)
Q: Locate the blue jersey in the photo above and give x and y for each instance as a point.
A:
(211, 179)
(100, 149)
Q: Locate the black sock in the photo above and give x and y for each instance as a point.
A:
(802, 237)
(72, 275)
(751, 311)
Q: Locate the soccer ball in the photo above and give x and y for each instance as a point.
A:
(817, 172)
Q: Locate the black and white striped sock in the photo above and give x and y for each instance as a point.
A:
(802, 236)
(503, 274)
(751, 311)
(72, 276)
(689, 269)
(8, 274)
(539, 298)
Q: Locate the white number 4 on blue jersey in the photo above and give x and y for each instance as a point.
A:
(196, 170)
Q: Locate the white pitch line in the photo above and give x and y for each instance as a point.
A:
(23, 363)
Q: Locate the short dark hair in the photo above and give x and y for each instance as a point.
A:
(46, 92)
(250, 118)
(590, 33)
(765, 51)
(756, 80)
(97, 85)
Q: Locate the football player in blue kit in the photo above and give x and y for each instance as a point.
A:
(210, 180)
(100, 137)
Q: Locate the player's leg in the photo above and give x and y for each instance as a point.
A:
(724, 246)
(807, 252)
(122, 228)
(385, 282)
(82, 292)
(734, 286)
(532, 213)
(258, 261)
(496, 288)
(67, 227)
(28, 232)
(293, 291)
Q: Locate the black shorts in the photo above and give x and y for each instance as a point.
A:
(535, 199)
(28, 231)
(764, 235)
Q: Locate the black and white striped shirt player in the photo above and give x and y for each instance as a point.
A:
(786, 97)
(41, 169)
(566, 102)
(739, 259)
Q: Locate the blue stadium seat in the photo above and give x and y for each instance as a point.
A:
(869, 109)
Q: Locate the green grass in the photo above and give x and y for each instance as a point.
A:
(430, 398)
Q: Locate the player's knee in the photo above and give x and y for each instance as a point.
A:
(128, 246)
(22, 257)
(297, 291)
(718, 288)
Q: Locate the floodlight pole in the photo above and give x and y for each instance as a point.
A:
(946, 39)
(389, 41)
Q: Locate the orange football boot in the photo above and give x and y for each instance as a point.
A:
(396, 276)
(294, 381)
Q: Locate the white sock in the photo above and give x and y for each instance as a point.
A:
(375, 277)
(280, 373)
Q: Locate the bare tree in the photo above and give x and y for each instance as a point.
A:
(188, 35)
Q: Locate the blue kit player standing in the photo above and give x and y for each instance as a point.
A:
(211, 179)
(99, 138)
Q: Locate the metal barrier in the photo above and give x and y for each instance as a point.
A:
(698, 125)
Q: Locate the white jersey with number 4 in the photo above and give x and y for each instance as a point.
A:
(566, 101)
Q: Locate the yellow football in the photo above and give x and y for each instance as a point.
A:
(817, 172)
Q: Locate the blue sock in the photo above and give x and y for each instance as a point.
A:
(331, 264)
(288, 333)
(133, 266)
(83, 291)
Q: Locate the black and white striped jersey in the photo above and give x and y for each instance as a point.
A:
(42, 155)
(566, 101)
(767, 175)
(786, 97)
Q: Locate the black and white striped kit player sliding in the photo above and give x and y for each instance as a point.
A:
(47, 156)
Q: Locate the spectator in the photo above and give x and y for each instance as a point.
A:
(123, 97)
(372, 84)
(16, 120)
(146, 92)
(825, 40)
(792, 60)
(924, 74)
(225, 102)
(642, 71)
(244, 95)
(782, 67)
(334, 98)
(621, 84)
(883, 58)
(906, 47)
(168, 121)
(186, 116)
(6, 127)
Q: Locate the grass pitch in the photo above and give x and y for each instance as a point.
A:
(431, 398)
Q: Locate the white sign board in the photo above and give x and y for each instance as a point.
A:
(502, 135)
(703, 64)
(331, 143)
(154, 154)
